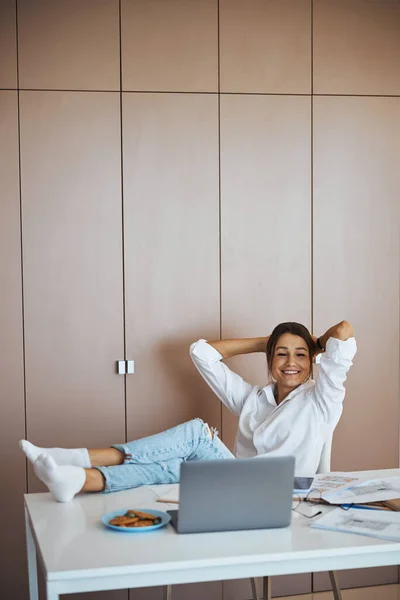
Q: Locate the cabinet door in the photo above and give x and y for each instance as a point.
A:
(265, 46)
(356, 47)
(266, 240)
(12, 411)
(169, 45)
(356, 277)
(70, 45)
(8, 44)
(72, 250)
(72, 257)
(170, 155)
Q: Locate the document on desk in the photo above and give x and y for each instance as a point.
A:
(372, 490)
(330, 482)
(373, 523)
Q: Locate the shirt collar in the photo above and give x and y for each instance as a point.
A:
(269, 392)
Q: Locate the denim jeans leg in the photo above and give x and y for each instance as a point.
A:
(127, 476)
(193, 440)
(211, 448)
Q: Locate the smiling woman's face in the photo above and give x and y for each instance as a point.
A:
(291, 362)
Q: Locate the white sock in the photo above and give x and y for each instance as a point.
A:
(62, 456)
(63, 481)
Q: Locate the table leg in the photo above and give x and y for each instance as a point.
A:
(50, 594)
(167, 592)
(254, 588)
(266, 588)
(335, 586)
(32, 565)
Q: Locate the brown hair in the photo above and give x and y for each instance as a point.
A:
(294, 329)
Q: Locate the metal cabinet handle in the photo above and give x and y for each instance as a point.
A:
(125, 367)
(121, 367)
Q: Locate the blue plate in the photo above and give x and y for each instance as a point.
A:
(165, 518)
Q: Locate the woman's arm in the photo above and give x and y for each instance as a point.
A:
(228, 348)
(339, 347)
(342, 331)
(227, 385)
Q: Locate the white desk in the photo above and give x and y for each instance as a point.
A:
(78, 554)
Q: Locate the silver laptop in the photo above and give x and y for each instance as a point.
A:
(234, 494)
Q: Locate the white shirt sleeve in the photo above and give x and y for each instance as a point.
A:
(333, 368)
(230, 388)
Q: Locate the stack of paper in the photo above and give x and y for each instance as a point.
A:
(374, 523)
(372, 490)
(333, 482)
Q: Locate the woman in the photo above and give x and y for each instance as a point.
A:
(293, 415)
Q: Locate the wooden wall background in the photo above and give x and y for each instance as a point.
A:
(176, 169)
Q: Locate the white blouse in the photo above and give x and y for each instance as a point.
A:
(300, 424)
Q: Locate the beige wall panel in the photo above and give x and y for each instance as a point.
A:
(358, 578)
(71, 203)
(71, 206)
(70, 45)
(13, 581)
(149, 593)
(266, 231)
(282, 585)
(8, 45)
(172, 254)
(265, 219)
(356, 265)
(170, 45)
(209, 590)
(356, 273)
(265, 46)
(356, 47)
(113, 595)
(172, 263)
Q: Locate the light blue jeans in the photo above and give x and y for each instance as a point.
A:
(157, 459)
